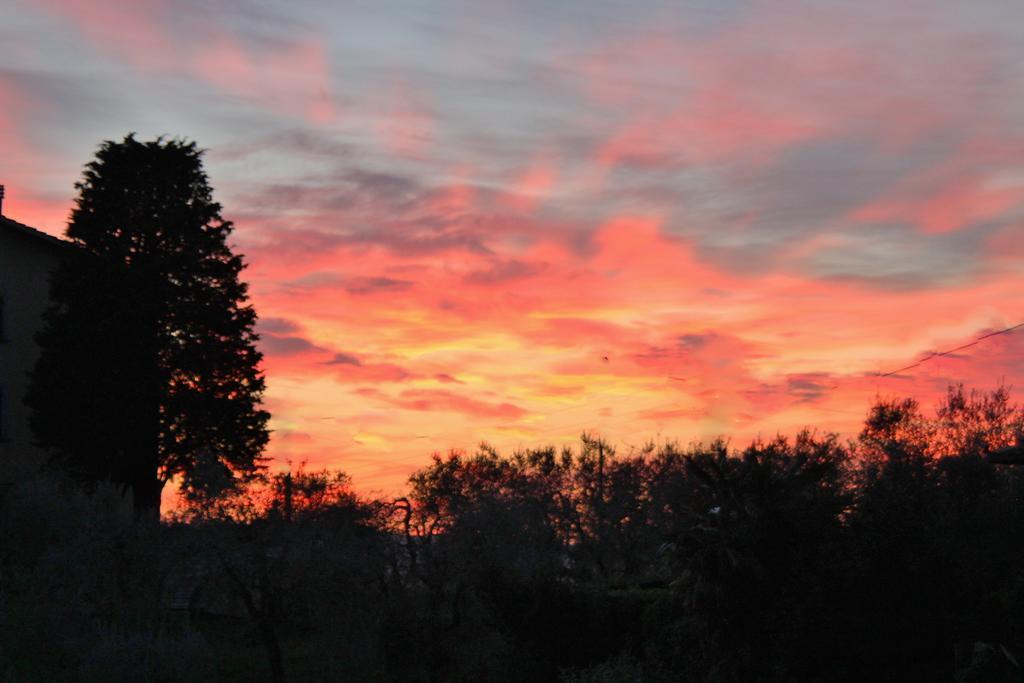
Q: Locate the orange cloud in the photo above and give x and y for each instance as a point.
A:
(654, 228)
(637, 328)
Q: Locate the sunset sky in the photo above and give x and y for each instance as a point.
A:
(516, 221)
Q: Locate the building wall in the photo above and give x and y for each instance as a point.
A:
(26, 260)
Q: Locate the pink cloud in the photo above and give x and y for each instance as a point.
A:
(442, 400)
(292, 77)
(780, 76)
(24, 161)
(693, 350)
(440, 294)
(134, 31)
(437, 399)
(979, 182)
(405, 125)
(532, 185)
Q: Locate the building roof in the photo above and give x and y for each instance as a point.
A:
(27, 230)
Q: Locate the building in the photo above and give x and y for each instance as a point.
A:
(27, 256)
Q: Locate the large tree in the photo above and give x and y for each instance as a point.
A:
(148, 367)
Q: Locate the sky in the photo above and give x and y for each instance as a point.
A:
(515, 222)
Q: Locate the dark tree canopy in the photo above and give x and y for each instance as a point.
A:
(892, 556)
(148, 368)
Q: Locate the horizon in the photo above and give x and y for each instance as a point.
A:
(469, 223)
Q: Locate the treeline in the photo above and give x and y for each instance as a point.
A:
(892, 556)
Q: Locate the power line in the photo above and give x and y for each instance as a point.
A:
(948, 352)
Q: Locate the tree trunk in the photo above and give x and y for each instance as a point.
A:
(272, 647)
(146, 498)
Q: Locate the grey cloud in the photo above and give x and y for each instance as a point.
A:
(285, 345)
(344, 359)
(360, 206)
(695, 341)
(390, 187)
(369, 285)
(743, 216)
(824, 180)
(504, 271)
(277, 326)
(807, 388)
(898, 256)
(293, 142)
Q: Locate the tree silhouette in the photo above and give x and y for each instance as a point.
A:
(891, 556)
(148, 367)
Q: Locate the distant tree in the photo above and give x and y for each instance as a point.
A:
(975, 423)
(928, 504)
(148, 367)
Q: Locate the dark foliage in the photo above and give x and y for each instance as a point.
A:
(148, 366)
(892, 557)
